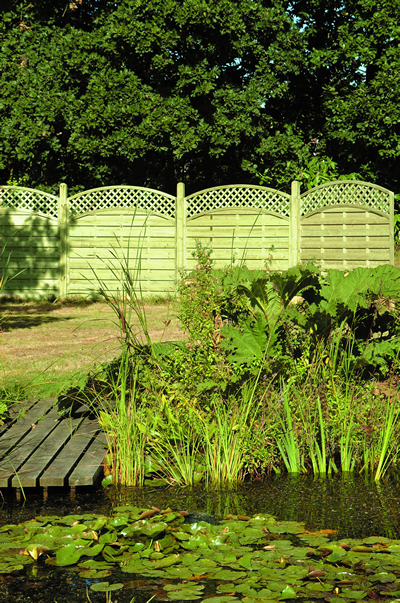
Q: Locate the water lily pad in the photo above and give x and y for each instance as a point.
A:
(228, 575)
(93, 574)
(182, 573)
(68, 555)
(93, 564)
(288, 593)
(222, 599)
(103, 587)
(382, 577)
(357, 595)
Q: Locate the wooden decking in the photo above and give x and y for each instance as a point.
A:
(43, 450)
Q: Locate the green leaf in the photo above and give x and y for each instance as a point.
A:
(103, 587)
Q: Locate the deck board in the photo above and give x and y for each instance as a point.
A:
(89, 467)
(11, 437)
(44, 449)
(44, 454)
(61, 467)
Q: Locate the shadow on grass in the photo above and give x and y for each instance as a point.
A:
(23, 315)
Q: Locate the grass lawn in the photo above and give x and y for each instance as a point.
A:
(43, 345)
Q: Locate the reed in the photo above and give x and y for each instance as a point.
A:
(224, 435)
(386, 446)
(126, 426)
(318, 446)
(348, 456)
(288, 443)
(176, 453)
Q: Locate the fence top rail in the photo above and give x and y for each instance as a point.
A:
(256, 211)
(238, 195)
(112, 197)
(29, 199)
(346, 192)
(345, 207)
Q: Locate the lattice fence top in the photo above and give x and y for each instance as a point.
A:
(123, 196)
(344, 192)
(242, 195)
(29, 199)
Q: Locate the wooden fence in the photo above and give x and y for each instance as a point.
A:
(68, 245)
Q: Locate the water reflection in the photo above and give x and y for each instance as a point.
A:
(355, 506)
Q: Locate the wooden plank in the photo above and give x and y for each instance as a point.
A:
(21, 220)
(106, 246)
(30, 471)
(90, 466)
(261, 257)
(34, 265)
(112, 232)
(343, 232)
(256, 253)
(350, 265)
(360, 255)
(63, 464)
(227, 245)
(336, 242)
(147, 252)
(112, 215)
(224, 240)
(14, 460)
(154, 287)
(232, 228)
(14, 412)
(237, 220)
(12, 436)
(351, 220)
(146, 264)
(107, 276)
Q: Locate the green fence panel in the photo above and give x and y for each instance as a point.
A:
(75, 245)
(112, 228)
(241, 222)
(347, 224)
(29, 240)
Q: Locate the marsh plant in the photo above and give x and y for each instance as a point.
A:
(278, 371)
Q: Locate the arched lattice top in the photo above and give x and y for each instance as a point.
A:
(241, 195)
(29, 199)
(123, 196)
(345, 192)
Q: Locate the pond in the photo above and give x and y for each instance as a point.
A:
(354, 506)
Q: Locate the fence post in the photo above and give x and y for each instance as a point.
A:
(294, 225)
(180, 230)
(391, 227)
(63, 237)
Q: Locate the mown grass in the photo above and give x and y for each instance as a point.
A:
(47, 345)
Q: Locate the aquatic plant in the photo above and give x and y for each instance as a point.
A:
(239, 558)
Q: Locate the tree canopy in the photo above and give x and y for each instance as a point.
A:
(151, 92)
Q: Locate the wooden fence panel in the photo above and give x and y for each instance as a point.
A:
(239, 222)
(103, 242)
(66, 245)
(345, 237)
(347, 224)
(29, 243)
(129, 226)
(240, 234)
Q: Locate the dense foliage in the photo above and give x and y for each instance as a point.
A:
(97, 92)
(279, 370)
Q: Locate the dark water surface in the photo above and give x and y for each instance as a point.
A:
(354, 506)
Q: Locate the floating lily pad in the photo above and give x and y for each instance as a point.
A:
(103, 587)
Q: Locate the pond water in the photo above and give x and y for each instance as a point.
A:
(354, 506)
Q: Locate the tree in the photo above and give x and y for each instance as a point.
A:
(146, 92)
(352, 83)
